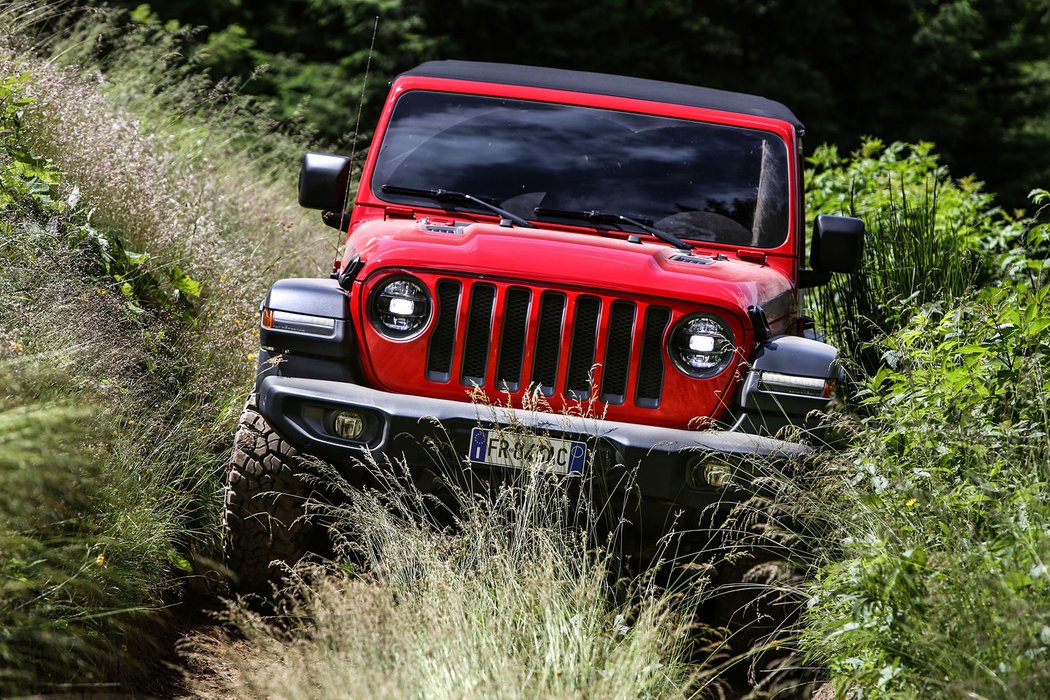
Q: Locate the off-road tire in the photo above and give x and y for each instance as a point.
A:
(264, 521)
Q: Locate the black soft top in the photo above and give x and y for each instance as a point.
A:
(604, 84)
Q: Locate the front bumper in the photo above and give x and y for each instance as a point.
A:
(666, 465)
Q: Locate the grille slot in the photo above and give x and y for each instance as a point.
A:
(548, 342)
(651, 362)
(512, 344)
(443, 341)
(618, 352)
(479, 329)
(581, 353)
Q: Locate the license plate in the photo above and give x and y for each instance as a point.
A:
(504, 448)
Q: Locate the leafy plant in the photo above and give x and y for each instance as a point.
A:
(940, 586)
(26, 179)
(929, 238)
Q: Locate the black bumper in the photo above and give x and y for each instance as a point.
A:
(663, 464)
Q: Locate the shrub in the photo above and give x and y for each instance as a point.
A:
(929, 238)
(940, 587)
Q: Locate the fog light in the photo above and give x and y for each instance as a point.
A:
(709, 472)
(717, 472)
(349, 425)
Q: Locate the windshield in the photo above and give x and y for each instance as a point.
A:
(696, 180)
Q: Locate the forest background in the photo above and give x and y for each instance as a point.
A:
(972, 76)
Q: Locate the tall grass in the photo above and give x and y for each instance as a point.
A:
(930, 237)
(135, 244)
(511, 600)
(909, 261)
(89, 525)
(163, 158)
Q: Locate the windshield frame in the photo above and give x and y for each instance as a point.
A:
(785, 132)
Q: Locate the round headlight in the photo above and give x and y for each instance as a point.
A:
(702, 345)
(400, 307)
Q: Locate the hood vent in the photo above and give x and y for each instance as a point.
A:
(693, 259)
(454, 230)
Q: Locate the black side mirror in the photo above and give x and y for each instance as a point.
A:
(838, 244)
(323, 180)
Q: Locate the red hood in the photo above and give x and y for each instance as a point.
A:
(588, 260)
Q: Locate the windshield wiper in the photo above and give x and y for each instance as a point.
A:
(599, 217)
(440, 195)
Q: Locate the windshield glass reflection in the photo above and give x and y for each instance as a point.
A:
(696, 180)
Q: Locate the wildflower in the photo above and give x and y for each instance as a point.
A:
(910, 502)
(101, 561)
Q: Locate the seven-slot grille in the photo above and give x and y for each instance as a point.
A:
(563, 342)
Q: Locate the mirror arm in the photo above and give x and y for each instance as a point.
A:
(337, 220)
(813, 278)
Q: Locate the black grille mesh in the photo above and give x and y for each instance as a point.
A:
(651, 363)
(443, 340)
(548, 342)
(512, 345)
(581, 353)
(618, 352)
(479, 327)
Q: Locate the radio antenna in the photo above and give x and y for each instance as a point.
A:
(357, 128)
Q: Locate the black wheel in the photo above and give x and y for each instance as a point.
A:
(264, 521)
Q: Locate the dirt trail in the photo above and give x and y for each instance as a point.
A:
(207, 675)
(181, 667)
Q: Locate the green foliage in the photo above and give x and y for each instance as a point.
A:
(119, 243)
(131, 275)
(877, 178)
(929, 238)
(941, 587)
(1028, 260)
(28, 182)
(26, 178)
(934, 581)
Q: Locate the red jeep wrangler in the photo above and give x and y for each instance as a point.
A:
(612, 263)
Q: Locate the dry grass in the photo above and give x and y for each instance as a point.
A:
(510, 601)
(188, 188)
(112, 418)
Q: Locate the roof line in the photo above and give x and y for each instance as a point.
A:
(606, 84)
